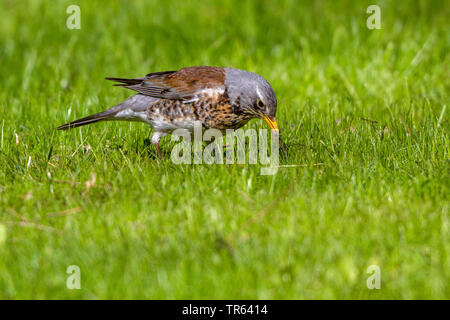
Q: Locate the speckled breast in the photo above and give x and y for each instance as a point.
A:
(211, 111)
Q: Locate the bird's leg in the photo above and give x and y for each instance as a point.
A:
(158, 150)
(155, 140)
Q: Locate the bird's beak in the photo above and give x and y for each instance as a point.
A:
(272, 122)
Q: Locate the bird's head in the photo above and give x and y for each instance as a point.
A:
(253, 95)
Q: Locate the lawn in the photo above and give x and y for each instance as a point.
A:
(363, 113)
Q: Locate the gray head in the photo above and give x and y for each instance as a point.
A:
(252, 94)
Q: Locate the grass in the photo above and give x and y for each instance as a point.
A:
(139, 227)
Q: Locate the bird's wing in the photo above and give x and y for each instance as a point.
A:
(183, 84)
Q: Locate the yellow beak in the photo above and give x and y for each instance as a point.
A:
(271, 122)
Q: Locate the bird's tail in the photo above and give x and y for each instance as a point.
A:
(105, 115)
(136, 104)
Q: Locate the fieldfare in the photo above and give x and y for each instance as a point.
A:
(220, 98)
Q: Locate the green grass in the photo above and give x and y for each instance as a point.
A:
(147, 228)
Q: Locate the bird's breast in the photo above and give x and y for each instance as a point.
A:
(211, 110)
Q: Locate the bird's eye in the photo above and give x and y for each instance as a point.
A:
(260, 103)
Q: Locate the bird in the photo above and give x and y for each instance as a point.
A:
(218, 97)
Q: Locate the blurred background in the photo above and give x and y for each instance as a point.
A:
(309, 50)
